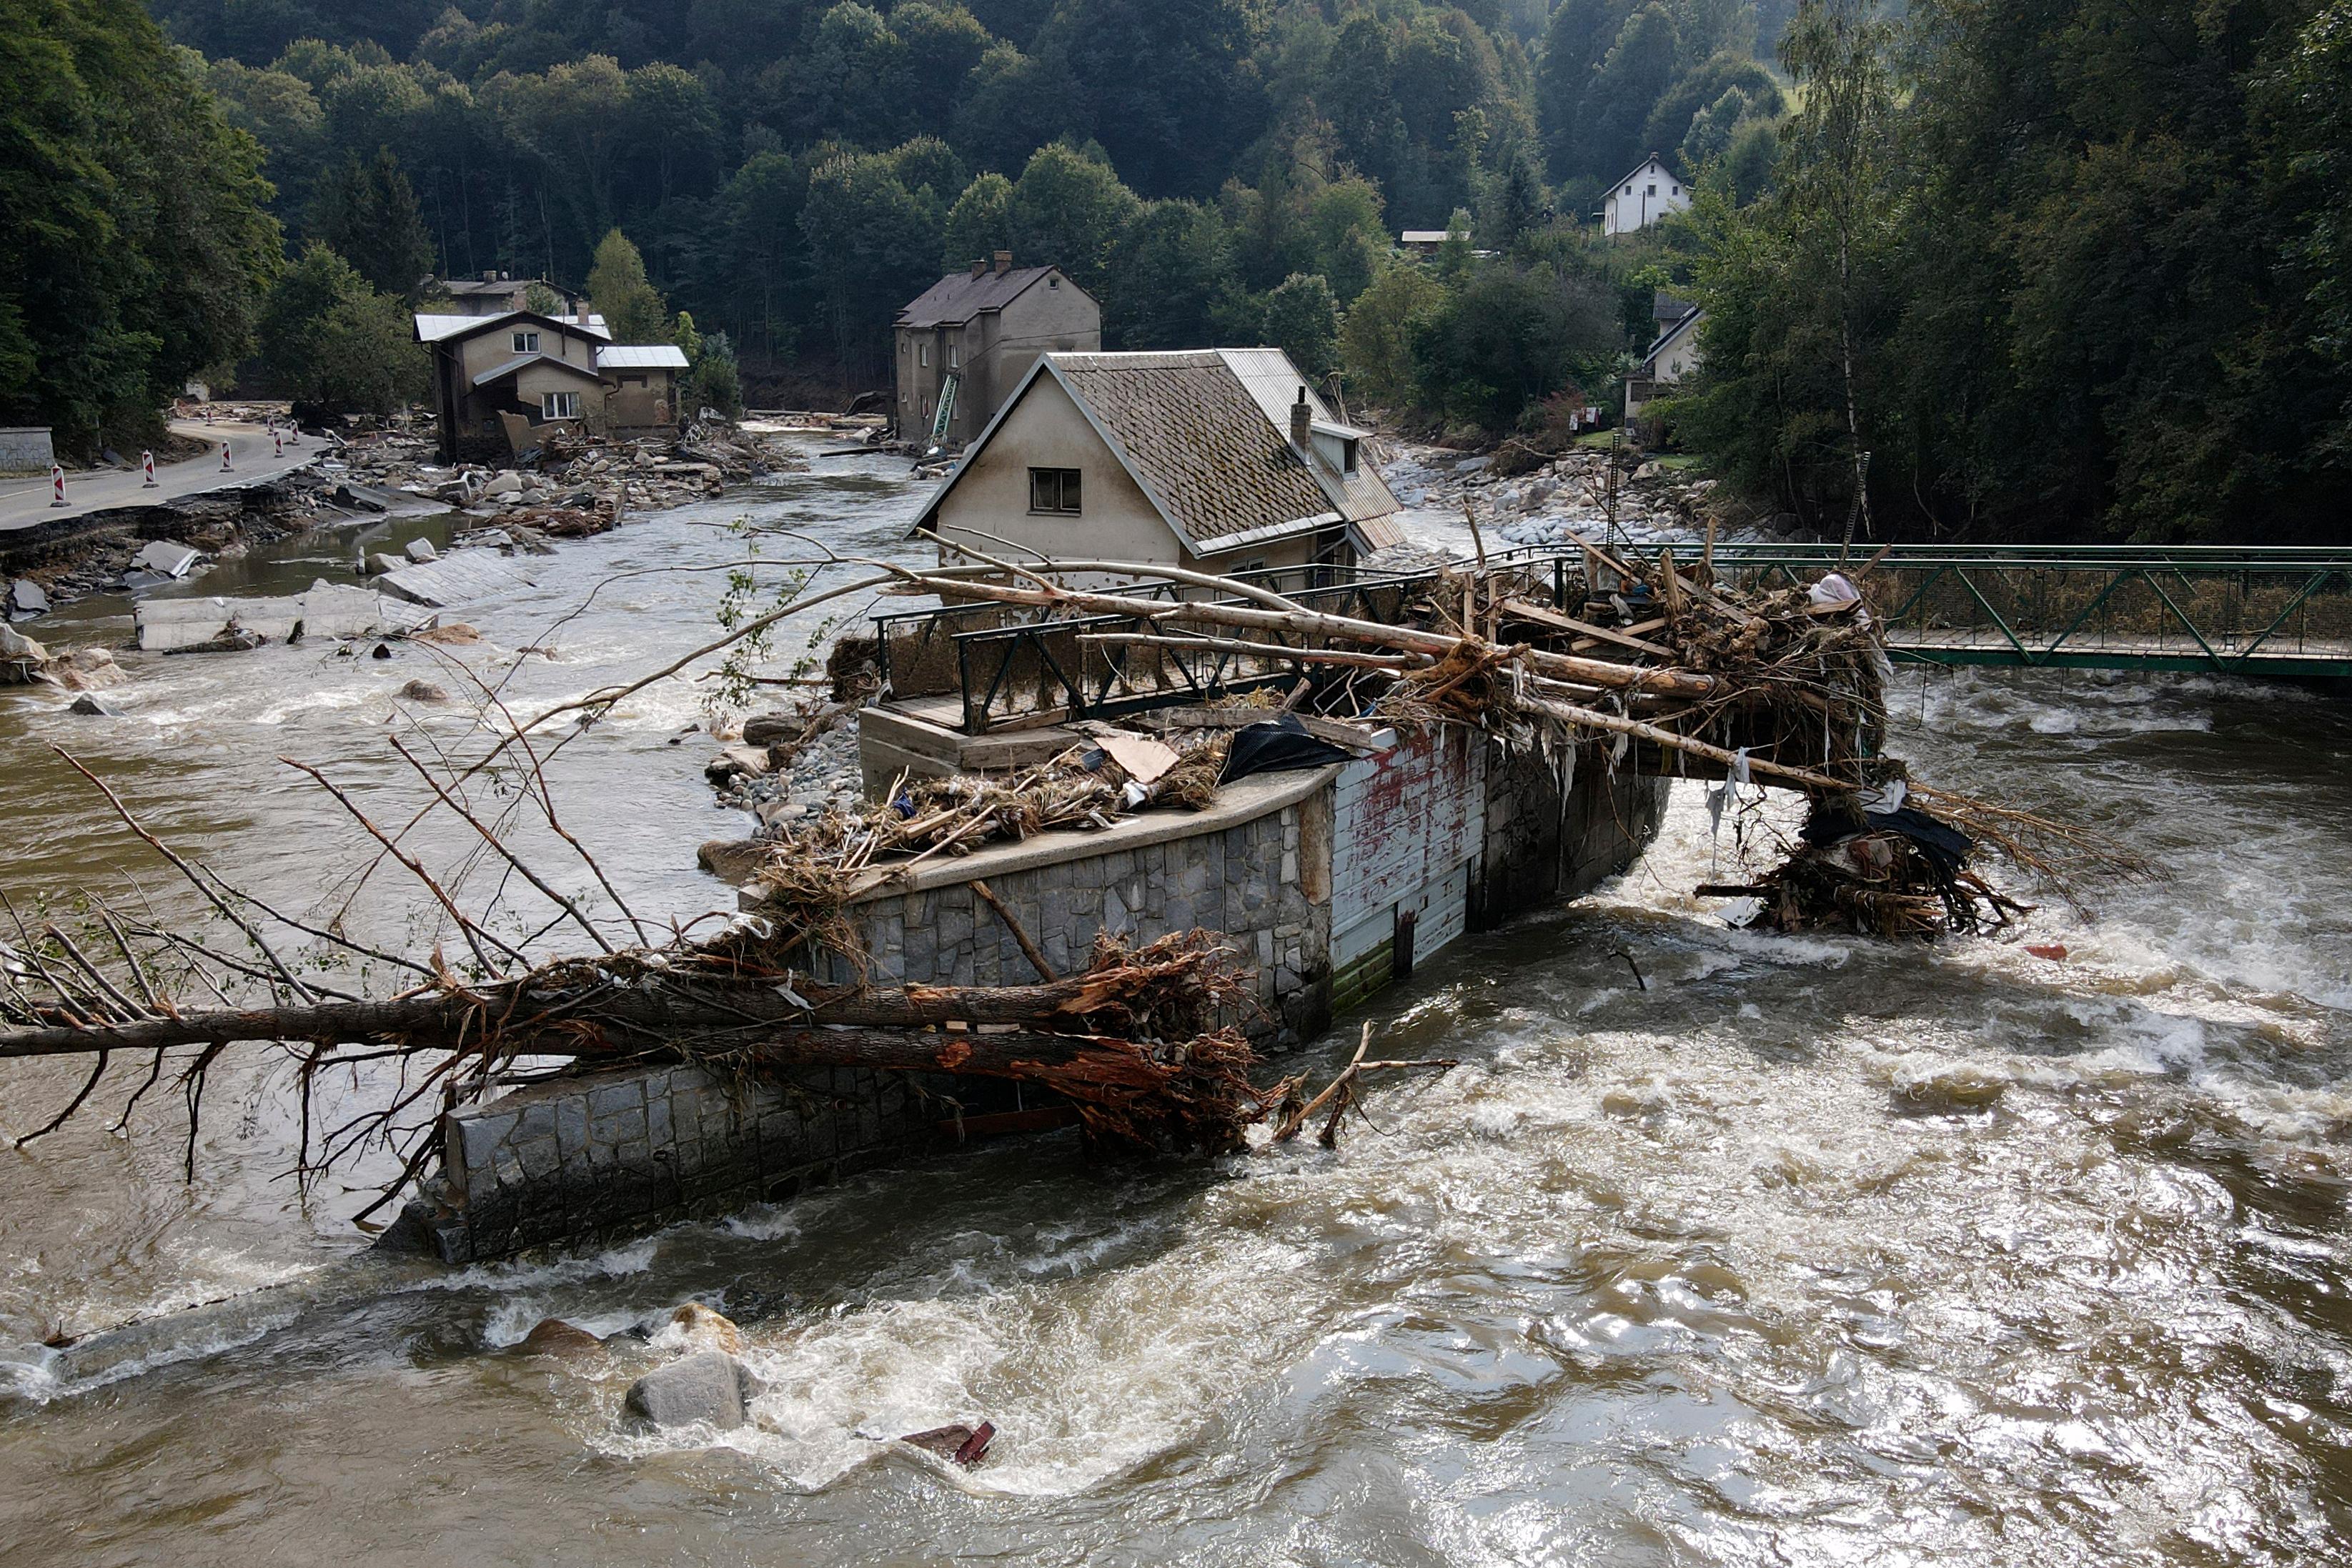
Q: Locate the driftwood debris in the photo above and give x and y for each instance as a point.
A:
(1668, 673)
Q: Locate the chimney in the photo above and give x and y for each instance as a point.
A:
(1302, 422)
(490, 277)
(979, 265)
(1003, 262)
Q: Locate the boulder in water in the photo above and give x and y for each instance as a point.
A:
(703, 1330)
(964, 1445)
(90, 707)
(555, 1337)
(710, 1388)
(423, 691)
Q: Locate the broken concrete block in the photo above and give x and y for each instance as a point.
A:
(420, 549)
(165, 559)
(15, 644)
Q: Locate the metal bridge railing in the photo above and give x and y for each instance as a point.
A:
(2269, 611)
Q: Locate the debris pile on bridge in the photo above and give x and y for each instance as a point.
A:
(1650, 666)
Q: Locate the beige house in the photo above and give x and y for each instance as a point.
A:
(495, 293)
(499, 382)
(968, 339)
(1214, 459)
(1674, 358)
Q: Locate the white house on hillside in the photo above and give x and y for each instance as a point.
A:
(1642, 197)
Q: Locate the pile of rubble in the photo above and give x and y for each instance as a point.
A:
(594, 477)
(1530, 499)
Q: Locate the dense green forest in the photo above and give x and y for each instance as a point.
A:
(2049, 268)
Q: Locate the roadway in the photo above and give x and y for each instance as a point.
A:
(24, 504)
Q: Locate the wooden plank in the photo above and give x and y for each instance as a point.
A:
(1563, 623)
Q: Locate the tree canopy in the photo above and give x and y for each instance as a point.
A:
(133, 248)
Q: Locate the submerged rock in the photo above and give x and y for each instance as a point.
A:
(456, 634)
(90, 707)
(711, 1387)
(85, 669)
(555, 1337)
(423, 691)
(964, 1445)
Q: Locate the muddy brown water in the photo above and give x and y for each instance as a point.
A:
(1815, 1251)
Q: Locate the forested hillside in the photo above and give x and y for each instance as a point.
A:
(2045, 270)
(795, 170)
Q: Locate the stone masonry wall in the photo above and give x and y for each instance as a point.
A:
(1243, 882)
(576, 1158)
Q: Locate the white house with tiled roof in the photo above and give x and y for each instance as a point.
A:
(1215, 460)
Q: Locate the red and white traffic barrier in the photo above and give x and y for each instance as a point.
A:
(57, 484)
(277, 442)
(147, 470)
(225, 463)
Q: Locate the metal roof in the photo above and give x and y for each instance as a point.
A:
(1206, 436)
(641, 356)
(435, 328)
(1683, 323)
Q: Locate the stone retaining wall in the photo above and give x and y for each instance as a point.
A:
(1408, 850)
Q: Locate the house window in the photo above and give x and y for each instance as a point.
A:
(923, 354)
(1629, 190)
(1674, 190)
(1347, 457)
(955, 356)
(1054, 490)
(526, 343)
(1649, 190)
(560, 404)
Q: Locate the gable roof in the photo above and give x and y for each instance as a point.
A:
(957, 297)
(1681, 324)
(448, 329)
(524, 362)
(1206, 434)
(1627, 176)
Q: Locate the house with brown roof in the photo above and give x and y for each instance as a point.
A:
(967, 340)
(1214, 459)
(503, 383)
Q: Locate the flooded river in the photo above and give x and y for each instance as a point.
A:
(1813, 1251)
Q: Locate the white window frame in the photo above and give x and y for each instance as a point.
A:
(559, 406)
(526, 343)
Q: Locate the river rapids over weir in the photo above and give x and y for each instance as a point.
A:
(1790, 1251)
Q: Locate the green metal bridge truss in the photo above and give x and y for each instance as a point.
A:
(2277, 612)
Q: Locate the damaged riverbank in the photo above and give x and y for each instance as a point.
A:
(377, 469)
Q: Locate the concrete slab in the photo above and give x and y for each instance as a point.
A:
(453, 579)
(325, 610)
